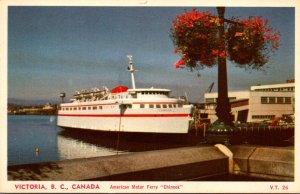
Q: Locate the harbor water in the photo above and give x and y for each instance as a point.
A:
(36, 138)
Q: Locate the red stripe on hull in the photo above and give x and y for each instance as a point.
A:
(126, 115)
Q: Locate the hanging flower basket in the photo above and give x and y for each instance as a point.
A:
(251, 41)
(195, 36)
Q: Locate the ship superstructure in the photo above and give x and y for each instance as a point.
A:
(141, 110)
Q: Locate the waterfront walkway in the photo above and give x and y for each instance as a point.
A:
(187, 163)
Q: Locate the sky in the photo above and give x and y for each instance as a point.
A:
(64, 49)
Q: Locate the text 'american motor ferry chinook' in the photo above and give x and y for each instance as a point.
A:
(139, 110)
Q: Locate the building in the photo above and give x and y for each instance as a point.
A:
(261, 102)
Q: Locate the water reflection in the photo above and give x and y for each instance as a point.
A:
(83, 144)
(69, 148)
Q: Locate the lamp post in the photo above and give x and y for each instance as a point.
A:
(222, 130)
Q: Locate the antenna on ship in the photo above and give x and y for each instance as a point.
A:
(131, 70)
(62, 96)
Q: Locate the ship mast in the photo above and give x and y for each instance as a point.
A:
(131, 70)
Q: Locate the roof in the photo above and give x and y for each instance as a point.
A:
(283, 85)
(149, 90)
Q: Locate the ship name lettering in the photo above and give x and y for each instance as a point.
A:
(171, 186)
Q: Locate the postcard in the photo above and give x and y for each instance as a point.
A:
(148, 96)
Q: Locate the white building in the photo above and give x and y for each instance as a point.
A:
(262, 102)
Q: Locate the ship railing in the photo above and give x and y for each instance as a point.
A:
(105, 96)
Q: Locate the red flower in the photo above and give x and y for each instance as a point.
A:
(266, 37)
(179, 64)
(215, 52)
(175, 50)
(222, 55)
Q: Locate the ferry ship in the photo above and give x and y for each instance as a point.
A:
(136, 110)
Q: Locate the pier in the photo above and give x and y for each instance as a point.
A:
(186, 163)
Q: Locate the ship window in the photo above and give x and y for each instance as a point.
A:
(83, 108)
(142, 106)
(67, 108)
(174, 105)
(158, 106)
(79, 108)
(94, 107)
(100, 107)
(170, 105)
(180, 105)
(75, 108)
(164, 106)
(89, 108)
(129, 106)
(151, 105)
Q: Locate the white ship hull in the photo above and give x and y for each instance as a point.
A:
(152, 121)
(142, 110)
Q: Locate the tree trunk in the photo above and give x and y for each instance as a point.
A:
(223, 109)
